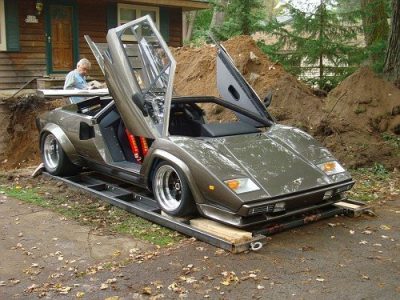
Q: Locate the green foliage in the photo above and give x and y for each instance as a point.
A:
(321, 39)
(379, 170)
(392, 139)
(241, 17)
(201, 26)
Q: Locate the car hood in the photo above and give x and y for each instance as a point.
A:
(281, 161)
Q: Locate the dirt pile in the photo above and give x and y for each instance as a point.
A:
(293, 102)
(20, 128)
(362, 120)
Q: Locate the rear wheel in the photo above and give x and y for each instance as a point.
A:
(172, 191)
(54, 158)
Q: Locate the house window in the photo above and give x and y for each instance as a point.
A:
(3, 45)
(127, 13)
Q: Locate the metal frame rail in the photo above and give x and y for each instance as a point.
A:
(139, 202)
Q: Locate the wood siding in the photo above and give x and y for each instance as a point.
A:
(18, 68)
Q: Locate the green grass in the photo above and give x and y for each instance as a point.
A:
(27, 195)
(375, 183)
(94, 213)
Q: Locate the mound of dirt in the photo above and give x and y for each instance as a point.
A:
(293, 102)
(362, 110)
(23, 144)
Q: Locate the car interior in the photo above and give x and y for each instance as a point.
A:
(187, 118)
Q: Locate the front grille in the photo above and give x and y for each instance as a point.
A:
(262, 209)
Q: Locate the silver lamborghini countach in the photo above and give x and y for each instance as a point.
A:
(243, 172)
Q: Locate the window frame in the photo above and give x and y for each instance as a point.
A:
(139, 9)
(3, 37)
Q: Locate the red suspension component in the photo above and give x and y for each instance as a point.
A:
(134, 146)
(144, 145)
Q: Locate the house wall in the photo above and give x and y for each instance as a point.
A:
(19, 67)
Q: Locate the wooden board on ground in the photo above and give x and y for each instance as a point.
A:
(231, 234)
(347, 205)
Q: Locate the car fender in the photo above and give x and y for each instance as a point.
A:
(165, 156)
(63, 139)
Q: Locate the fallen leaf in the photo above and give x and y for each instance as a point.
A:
(112, 298)
(146, 290)
(31, 287)
(104, 286)
(367, 232)
(15, 281)
(229, 278)
(320, 279)
(64, 290)
(384, 227)
(111, 280)
(384, 236)
(363, 242)
(260, 287)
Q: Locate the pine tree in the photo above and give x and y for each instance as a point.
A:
(240, 17)
(320, 39)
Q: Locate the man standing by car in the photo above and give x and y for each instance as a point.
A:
(76, 79)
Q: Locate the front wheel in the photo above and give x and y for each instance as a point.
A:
(54, 158)
(171, 191)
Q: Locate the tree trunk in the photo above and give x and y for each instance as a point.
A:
(219, 14)
(188, 21)
(392, 59)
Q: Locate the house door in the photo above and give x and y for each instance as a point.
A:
(61, 38)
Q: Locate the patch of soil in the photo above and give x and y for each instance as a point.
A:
(23, 144)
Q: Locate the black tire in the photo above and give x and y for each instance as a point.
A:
(171, 190)
(56, 162)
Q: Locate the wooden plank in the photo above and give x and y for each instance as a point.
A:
(21, 67)
(231, 234)
(13, 75)
(70, 93)
(22, 61)
(347, 205)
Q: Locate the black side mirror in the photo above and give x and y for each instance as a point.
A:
(139, 102)
(268, 99)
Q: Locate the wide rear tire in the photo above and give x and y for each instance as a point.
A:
(172, 192)
(56, 162)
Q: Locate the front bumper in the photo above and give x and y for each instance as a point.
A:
(272, 210)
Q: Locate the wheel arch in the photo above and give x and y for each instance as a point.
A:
(63, 139)
(159, 156)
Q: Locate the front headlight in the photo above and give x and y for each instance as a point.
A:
(241, 185)
(331, 167)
